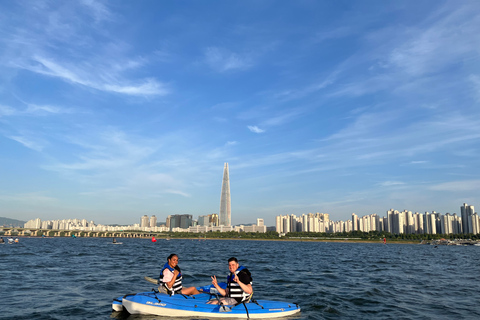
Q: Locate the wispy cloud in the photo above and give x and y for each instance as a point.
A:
(34, 110)
(107, 149)
(309, 89)
(98, 10)
(282, 118)
(255, 129)
(437, 47)
(46, 109)
(27, 198)
(7, 111)
(418, 162)
(95, 79)
(63, 48)
(475, 83)
(223, 60)
(391, 183)
(180, 193)
(457, 186)
(28, 142)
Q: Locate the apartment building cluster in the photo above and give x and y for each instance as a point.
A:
(174, 223)
(206, 223)
(396, 222)
(75, 224)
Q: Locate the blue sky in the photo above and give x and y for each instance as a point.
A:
(112, 110)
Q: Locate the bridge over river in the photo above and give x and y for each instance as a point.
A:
(26, 232)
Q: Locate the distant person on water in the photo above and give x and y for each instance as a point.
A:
(114, 240)
(1, 240)
(239, 285)
(170, 278)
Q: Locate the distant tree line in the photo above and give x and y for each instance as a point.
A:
(374, 235)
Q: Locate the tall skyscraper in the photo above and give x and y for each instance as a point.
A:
(225, 208)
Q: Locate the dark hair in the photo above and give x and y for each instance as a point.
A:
(171, 256)
(233, 259)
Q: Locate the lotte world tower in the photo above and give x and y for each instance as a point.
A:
(225, 215)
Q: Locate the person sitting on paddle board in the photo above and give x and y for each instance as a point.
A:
(170, 278)
(239, 285)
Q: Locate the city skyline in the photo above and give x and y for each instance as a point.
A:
(464, 212)
(110, 110)
(395, 222)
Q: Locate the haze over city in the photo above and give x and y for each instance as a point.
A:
(114, 110)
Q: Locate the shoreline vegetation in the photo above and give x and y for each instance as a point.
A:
(346, 237)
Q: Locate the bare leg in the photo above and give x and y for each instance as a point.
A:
(190, 291)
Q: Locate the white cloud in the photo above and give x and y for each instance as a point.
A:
(255, 129)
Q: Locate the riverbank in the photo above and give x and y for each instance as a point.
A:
(161, 239)
(306, 240)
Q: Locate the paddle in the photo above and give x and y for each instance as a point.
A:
(155, 281)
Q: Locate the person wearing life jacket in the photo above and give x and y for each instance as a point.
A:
(239, 285)
(170, 278)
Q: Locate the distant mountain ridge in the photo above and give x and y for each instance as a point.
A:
(7, 222)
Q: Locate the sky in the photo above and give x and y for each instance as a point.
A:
(110, 110)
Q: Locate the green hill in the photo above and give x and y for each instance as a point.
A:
(7, 222)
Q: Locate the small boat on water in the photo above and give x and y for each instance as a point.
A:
(179, 305)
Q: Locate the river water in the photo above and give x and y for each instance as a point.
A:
(77, 278)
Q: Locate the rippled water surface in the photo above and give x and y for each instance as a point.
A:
(66, 278)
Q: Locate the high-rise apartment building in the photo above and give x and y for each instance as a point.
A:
(225, 204)
(144, 221)
(467, 213)
(183, 221)
(202, 221)
(354, 222)
(153, 221)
